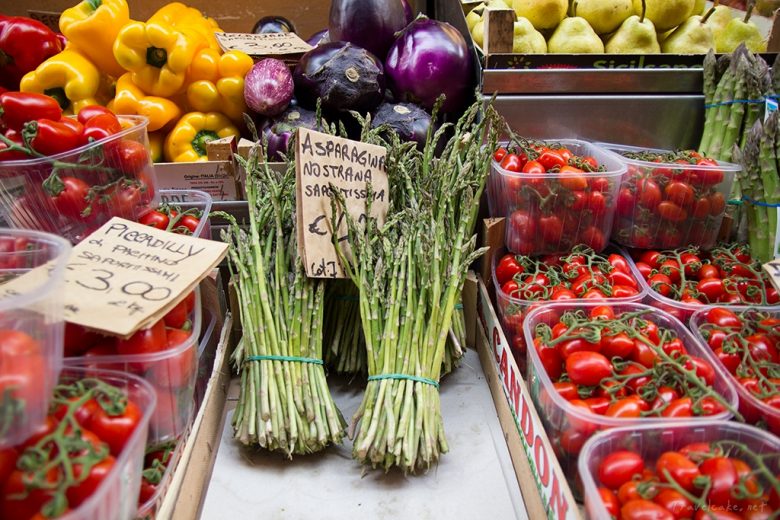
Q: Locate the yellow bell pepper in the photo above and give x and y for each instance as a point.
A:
(187, 141)
(156, 143)
(182, 17)
(92, 26)
(157, 54)
(217, 83)
(131, 100)
(68, 77)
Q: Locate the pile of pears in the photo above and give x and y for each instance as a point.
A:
(622, 27)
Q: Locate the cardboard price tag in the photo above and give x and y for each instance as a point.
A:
(773, 270)
(126, 276)
(323, 160)
(269, 44)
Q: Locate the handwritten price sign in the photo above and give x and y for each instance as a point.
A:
(125, 276)
(323, 161)
(263, 44)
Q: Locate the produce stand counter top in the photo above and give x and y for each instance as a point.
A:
(475, 478)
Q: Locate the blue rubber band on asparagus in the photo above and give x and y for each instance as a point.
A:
(416, 379)
(736, 102)
(762, 204)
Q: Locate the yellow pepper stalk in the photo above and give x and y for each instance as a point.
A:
(131, 100)
(68, 77)
(187, 141)
(92, 26)
(217, 83)
(157, 54)
(182, 17)
(156, 143)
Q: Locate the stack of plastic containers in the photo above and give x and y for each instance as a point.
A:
(31, 328)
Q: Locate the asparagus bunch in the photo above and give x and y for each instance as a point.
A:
(734, 95)
(284, 403)
(345, 350)
(410, 272)
(760, 181)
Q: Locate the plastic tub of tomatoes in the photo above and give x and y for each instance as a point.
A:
(746, 343)
(554, 194)
(165, 355)
(700, 470)
(596, 366)
(30, 328)
(182, 211)
(523, 283)
(670, 199)
(681, 281)
(69, 176)
(86, 461)
(159, 464)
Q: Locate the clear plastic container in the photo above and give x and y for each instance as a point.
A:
(119, 186)
(650, 441)
(171, 373)
(148, 510)
(206, 355)
(31, 329)
(752, 408)
(568, 426)
(191, 199)
(549, 213)
(681, 310)
(117, 496)
(692, 213)
(512, 310)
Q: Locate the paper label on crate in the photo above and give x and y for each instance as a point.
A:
(549, 477)
(126, 276)
(269, 44)
(323, 163)
(214, 177)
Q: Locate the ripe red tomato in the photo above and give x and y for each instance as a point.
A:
(711, 288)
(551, 159)
(629, 491)
(187, 225)
(155, 219)
(81, 492)
(129, 156)
(16, 501)
(587, 368)
(610, 501)
(622, 278)
(701, 208)
(649, 193)
(682, 407)
(8, 457)
(572, 179)
(665, 395)
(598, 405)
(619, 345)
(661, 283)
(631, 406)
(551, 228)
(717, 204)
(593, 238)
(70, 196)
(703, 369)
(153, 339)
(672, 212)
(101, 126)
(567, 389)
(597, 204)
(644, 510)
(507, 268)
(619, 467)
(679, 193)
(651, 258)
(675, 503)
(570, 346)
(625, 202)
(90, 111)
(522, 225)
(708, 271)
(499, 154)
(115, 430)
(677, 466)
(644, 269)
(177, 370)
(723, 476)
(551, 361)
(619, 263)
(533, 167)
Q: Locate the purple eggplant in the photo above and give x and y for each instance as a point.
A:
(318, 38)
(273, 24)
(430, 58)
(370, 24)
(268, 87)
(409, 121)
(278, 132)
(344, 76)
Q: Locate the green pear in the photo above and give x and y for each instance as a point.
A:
(664, 35)
(719, 19)
(740, 31)
(699, 7)
(666, 14)
(475, 16)
(527, 40)
(692, 37)
(543, 14)
(574, 35)
(635, 36)
(605, 15)
(478, 33)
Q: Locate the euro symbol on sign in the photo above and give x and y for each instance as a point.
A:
(314, 227)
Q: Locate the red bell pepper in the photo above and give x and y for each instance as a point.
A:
(24, 44)
(17, 108)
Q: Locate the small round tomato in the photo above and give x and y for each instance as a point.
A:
(679, 193)
(619, 263)
(625, 202)
(644, 269)
(598, 405)
(723, 477)
(682, 407)
(651, 258)
(562, 293)
(69, 195)
(507, 268)
(676, 466)
(661, 284)
(622, 278)
(115, 429)
(90, 111)
(533, 167)
(551, 361)
(551, 228)
(101, 126)
(619, 467)
(618, 345)
(708, 271)
(711, 288)
(597, 203)
(187, 225)
(155, 219)
(717, 204)
(86, 488)
(627, 407)
(499, 154)
(569, 347)
(649, 193)
(671, 212)
(567, 389)
(593, 238)
(610, 501)
(129, 156)
(8, 457)
(153, 339)
(604, 312)
(674, 502)
(703, 369)
(522, 225)
(629, 491)
(644, 510)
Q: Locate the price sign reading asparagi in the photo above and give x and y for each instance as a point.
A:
(269, 44)
(125, 276)
(323, 161)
